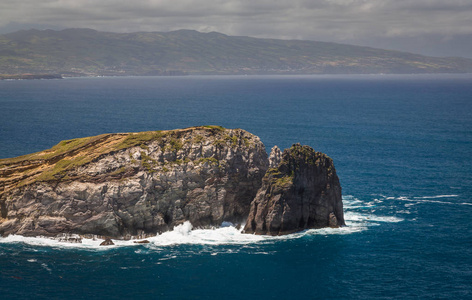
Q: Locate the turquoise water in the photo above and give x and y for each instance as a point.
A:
(402, 147)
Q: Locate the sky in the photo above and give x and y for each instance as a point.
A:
(431, 27)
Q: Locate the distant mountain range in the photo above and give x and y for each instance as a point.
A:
(86, 52)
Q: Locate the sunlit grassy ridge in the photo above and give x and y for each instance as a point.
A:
(67, 155)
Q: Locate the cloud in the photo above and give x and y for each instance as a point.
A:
(347, 21)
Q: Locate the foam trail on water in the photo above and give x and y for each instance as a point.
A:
(428, 199)
(359, 215)
(436, 197)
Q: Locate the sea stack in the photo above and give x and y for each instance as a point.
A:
(302, 191)
(142, 184)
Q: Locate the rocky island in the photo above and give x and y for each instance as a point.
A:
(129, 185)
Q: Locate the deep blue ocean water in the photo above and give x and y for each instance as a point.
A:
(401, 144)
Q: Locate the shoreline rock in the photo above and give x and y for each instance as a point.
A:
(69, 238)
(142, 242)
(302, 192)
(107, 242)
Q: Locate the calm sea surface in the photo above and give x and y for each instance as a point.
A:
(402, 146)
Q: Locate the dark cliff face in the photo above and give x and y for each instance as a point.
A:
(203, 175)
(135, 184)
(301, 192)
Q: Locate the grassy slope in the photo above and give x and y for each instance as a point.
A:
(90, 52)
(53, 164)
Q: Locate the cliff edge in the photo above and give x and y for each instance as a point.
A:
(138, 184)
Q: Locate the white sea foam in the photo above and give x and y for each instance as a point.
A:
(48, 242)
(359, 216)
(427, 199)
(349, 229)
(182, 234)
(46, 267)
(354, 218)
(436, 197)
(430, 199)
(185, 234)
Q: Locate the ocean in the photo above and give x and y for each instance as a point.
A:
(401, 145)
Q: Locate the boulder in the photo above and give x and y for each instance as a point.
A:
(107, 242)
(69, 238)
(142, 242)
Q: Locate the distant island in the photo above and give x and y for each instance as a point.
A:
(86, 52)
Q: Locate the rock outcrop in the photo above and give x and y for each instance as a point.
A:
(275, 157)
(69, 238)
(107, 242)
(142, 242)
(301, 192)
(122, 185)
(142, 184)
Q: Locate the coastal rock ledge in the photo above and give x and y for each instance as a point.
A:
(129, 185)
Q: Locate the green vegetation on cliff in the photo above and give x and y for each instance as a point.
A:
(61, 161)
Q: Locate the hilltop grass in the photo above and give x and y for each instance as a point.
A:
(71, 145)
(55, 163)
(61, 167)
(61, 148)
(219, 128)
(139, 139)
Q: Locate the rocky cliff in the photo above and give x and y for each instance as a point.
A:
(301, 190)
(137, 184)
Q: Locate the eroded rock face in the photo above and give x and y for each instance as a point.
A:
(301, 192)
(141, 184)
(275, 157)
(203, 175)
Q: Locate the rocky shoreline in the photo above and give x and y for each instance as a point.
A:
(142, 184)
(30, 76)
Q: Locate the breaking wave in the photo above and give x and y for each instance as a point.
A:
(359, 216)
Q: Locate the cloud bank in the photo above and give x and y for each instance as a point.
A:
(368, 22)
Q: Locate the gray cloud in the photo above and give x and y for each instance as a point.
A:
(372, 22)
